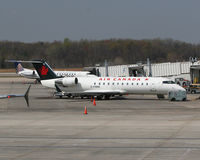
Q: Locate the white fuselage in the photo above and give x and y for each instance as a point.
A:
(117, 85)
(32, 74)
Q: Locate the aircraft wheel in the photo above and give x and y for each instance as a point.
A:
(107, 97)
(193, 91)
(160, 96)
(99, 97)
(173, 99)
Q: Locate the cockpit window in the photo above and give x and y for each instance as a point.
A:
(168, 82)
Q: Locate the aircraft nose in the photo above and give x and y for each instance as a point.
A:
(180, 88)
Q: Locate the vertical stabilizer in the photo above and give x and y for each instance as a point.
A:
(44, 70)
(18, 67)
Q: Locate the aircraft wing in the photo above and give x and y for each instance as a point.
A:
(3, 96)
(93, 92)
(18, 95)
(11, 95)
(104, 92)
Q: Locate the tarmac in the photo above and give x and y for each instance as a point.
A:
(133, 127)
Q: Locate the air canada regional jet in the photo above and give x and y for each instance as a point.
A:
(32, 74)
(104, 87)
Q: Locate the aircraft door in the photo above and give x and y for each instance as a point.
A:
(153, 88)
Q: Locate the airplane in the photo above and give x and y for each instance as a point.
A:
(18, 95)
(32, 74)
(105, 87)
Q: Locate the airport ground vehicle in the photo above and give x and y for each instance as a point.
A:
(194, 88)
(177, 95)
(183, 83)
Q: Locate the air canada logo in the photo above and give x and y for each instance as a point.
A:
(43, 71)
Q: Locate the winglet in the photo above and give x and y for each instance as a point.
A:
(26, 95)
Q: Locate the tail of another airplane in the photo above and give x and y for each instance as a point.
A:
(18, 67)
(44, 70)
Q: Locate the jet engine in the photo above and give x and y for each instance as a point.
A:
(69, 81)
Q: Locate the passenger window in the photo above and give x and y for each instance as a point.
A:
(147, 84)
(94, 83)
(117, 83)
(122, 83)
(141, 83)
(113, 83)
(137, 83)
(108, 83)
(132, 84)
(99, 83)
(103, 83)
(127, 84)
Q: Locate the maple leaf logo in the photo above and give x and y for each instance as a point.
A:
(43, 71)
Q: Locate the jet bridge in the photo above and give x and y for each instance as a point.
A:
(136, 71)
(195, 73)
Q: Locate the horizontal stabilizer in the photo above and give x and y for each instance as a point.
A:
(21, 61)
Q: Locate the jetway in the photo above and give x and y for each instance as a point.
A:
(186, 70)
(195, 73)
(121, 71)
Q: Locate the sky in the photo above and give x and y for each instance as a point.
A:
(50, 20)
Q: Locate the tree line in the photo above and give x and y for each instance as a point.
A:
(67, 53)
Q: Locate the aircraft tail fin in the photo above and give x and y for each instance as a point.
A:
(18, 67)
(44, 70)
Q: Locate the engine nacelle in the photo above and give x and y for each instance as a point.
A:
(69, 81)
